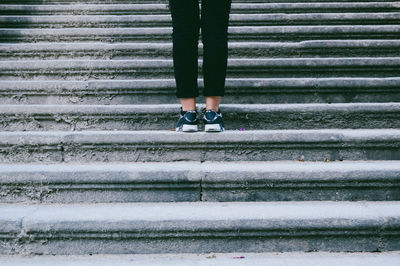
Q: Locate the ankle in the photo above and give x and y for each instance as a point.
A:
(188, 110)
(213, 109)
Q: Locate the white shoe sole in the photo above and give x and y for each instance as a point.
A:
(190, 128)
(212, 128)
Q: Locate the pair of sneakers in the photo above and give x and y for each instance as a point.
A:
(189, 121)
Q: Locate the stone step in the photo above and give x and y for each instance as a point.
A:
(237, 68)
(199, 227)
(46, 2)
(133, 9)
(195, 181)
(132, 21)
(165, 116)
(242, 33)
(118, 51)
(231, 145)
(238, 91)
(389, 258)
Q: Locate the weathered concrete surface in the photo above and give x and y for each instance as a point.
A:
(238, 91)
(260, 33)
(143, 1)
(334, 70)
(300, 181)
(164, 116)
(128, 8)
(202, 227)
(157, 20)
(194, 181)
(257, 145)
(237, 68)
(154, 50)
(220, 259)
(118, 182)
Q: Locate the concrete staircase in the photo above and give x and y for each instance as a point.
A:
(309, 163)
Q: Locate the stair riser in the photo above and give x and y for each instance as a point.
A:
(83, 70)
(279, 119)
(129, 9)
(168, 96)
(101, 151)
(15, 53)
(86, 243)
(106, 193)
(193, 184)
(237, 91)
(106, 21)
(279, 33)
(269, 191)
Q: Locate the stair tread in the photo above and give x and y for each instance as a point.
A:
(230, 136)
(96, 109)
(168, 45)
(303, 170)
(119, 216)
(222, 259)
(235, 6)
(195, 181)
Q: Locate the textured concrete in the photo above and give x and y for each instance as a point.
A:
(257, 145)
(106, 21)
(260, 33)
(200, 227)
(115, 1)
(91, 50)
(193, 181)
(220, 259)
(163, 68)
(161, 91)
(116, 182)
(300, 181)
(236, 116)
(108, 53)
(127, 8)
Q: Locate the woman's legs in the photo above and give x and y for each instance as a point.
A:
(214, 33)
(185, 36)
(214, 26)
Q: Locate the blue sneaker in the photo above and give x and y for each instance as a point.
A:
(213, 121)
(188, 121)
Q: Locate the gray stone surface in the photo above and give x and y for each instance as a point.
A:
(163, 68)
(65, 183)
(261, 33)
(194, 181)
(128, 8)
(151, 20)
(234, 145)
(90, 50)
(164, 116)
(161, 91)
(203, 227)
(220, 259)
(301, 181)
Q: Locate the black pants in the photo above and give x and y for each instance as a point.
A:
(186, 23)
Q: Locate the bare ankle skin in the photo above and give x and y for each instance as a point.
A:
(188, 104)
(212, 102)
